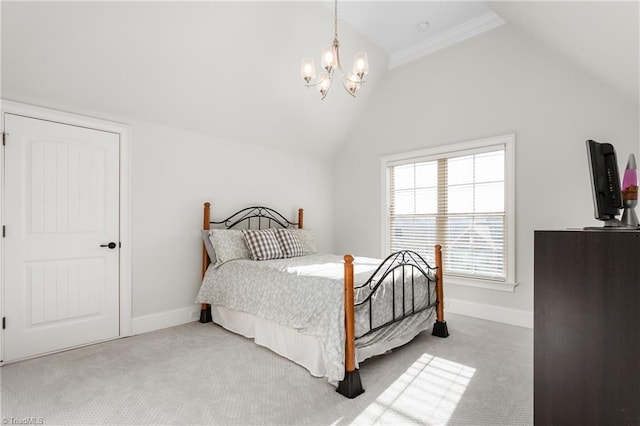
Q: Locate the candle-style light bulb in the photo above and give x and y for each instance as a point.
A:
(324, 84)
(329, 58)
(352, 84)
(308, 70)
(360, 65)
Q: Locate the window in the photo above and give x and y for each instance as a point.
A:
(459, 196)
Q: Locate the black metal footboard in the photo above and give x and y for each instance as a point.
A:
(404, 274)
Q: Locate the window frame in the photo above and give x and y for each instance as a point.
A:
(460, 149)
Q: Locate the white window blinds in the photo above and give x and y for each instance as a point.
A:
(457, 200)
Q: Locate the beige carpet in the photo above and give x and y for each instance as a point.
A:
(201, 374)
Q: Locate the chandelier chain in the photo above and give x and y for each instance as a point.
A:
(335, 20)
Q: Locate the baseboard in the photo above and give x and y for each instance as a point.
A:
(160, 320)
(490, 312)
(165, 319)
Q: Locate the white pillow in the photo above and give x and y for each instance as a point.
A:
(263, 244)
(308, 239)
(207, 244)
(228, 244)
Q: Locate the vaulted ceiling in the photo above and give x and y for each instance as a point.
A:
(601, 36)
(231, 69)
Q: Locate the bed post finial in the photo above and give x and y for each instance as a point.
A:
(207, 216)
(440, 326)
(351, 385)
(300, 218)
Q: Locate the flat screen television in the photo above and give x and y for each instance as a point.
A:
(605, 182)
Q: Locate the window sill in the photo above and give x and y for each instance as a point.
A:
(485, 284)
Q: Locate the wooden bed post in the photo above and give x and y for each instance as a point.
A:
(300, 218)
(205, 311)
(206, 226)
(351, 385)
(440, 326)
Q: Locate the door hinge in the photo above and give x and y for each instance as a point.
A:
(4, 322)
(4, 231)
(4, 138)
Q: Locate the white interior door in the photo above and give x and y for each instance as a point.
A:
(61, 204)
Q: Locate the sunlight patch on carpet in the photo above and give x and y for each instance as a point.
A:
(428, 392)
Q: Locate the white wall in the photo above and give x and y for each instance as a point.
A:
(173, 173)
(499, 82)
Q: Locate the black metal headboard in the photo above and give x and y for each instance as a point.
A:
(260, 214)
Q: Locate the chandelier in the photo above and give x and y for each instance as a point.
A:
(331, 62)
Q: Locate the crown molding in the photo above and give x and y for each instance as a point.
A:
(461, 32)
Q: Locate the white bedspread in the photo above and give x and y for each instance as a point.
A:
(306, 294)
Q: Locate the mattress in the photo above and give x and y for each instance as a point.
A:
(295, 307)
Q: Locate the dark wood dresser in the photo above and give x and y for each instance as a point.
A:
(587, 328)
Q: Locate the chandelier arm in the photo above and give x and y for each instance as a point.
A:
(317, 83)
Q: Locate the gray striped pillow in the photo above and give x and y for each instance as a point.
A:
(289, 243)
(263, 244)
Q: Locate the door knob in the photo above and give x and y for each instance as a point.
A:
(111, 245)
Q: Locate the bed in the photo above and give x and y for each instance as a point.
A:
(325, 312)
